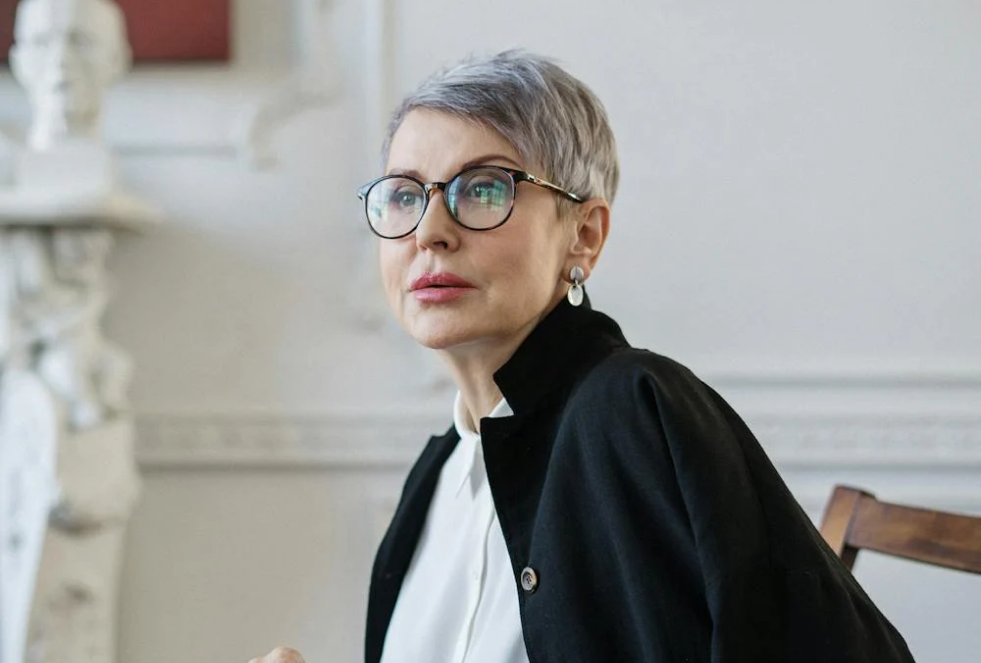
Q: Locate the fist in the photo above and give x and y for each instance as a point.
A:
(280, 655)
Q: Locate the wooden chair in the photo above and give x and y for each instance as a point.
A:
(854, 519)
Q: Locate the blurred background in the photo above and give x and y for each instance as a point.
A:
(799, 221)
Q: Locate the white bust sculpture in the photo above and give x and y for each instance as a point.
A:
(66, 53)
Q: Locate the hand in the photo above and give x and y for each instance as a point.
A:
(280, 655)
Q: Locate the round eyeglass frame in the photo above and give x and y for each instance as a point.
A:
(516, 176)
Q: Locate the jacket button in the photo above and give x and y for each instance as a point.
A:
(529, 579)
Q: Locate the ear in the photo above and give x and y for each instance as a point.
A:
(592, 219)
(16, 62)
(122, 61)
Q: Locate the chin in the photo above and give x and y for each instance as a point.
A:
(439, 339)
(441, 335)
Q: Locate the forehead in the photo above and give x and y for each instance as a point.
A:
(437, 144)
(36, 16)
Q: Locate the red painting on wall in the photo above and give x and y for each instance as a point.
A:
(160, 30)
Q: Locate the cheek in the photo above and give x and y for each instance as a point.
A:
(531, 270)
(392, 266)
(548, 252)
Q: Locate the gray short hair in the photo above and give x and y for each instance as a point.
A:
(550, 117)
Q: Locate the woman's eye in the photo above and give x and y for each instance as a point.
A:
(485, 191)
(405, 198)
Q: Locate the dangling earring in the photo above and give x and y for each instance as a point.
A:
(575, 291)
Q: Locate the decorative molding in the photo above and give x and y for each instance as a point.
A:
(860, 372)
(327, 441)
(374, 440)
(314, 83)
(871, 442)
(920, 378)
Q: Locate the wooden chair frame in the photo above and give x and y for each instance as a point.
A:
(855, 519)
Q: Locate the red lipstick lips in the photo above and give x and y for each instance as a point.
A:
(440, 287)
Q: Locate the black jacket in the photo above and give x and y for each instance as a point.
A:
(656, 527)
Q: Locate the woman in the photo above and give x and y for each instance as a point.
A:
(592, 501)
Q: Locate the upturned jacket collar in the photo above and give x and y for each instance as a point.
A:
(564, 345)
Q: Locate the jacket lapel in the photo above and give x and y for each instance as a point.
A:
(398, 546)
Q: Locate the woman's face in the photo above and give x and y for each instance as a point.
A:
(506, 279)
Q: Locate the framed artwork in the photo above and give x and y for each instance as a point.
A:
(171, 31)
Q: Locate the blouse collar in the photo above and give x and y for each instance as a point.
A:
(470, 464)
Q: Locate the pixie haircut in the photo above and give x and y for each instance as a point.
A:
(550, 118)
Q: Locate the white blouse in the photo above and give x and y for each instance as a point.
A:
(459, 600)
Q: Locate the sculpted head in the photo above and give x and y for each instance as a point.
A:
(66, 53)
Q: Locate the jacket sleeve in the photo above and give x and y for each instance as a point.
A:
(806, 616)
(774, 590)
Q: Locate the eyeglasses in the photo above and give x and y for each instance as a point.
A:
(478, 198)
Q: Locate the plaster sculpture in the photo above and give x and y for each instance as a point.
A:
(27, 495)
(66, 458)
(60, 291)
(66, 54)
(68, 480)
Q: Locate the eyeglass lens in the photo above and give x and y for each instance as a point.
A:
(480, 199)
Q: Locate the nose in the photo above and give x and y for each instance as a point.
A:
(62, 59)
(437, 230)
(58, 48)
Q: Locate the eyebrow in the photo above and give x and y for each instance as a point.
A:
(479, 161)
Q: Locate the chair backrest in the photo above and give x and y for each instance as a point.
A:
(854, 520)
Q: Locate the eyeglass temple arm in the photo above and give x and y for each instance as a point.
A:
(557, 189)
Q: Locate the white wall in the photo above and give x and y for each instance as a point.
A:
(798, 221)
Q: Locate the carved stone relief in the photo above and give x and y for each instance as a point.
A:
(69, 480)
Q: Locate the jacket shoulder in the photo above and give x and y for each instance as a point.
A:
(632, 378)
(641, 408)
(641, 413)
(638, 400)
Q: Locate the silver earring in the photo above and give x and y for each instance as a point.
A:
(576, 291)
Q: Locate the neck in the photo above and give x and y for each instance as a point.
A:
(473, 366)
(473, 371)
(51, 128)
